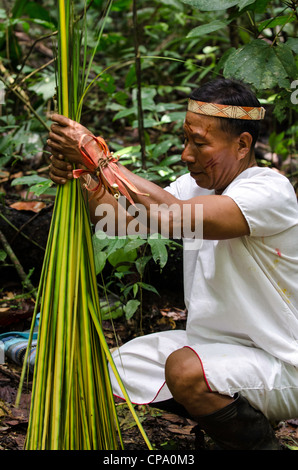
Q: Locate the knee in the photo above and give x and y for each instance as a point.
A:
(184, 374)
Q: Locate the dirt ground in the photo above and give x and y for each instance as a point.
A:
(166, 431)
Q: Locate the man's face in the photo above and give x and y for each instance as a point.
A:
(210, 153)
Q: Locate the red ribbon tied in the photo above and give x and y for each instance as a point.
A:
(101, 162)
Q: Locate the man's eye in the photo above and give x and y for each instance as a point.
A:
(198, 144)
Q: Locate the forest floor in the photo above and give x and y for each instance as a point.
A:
(166, 431)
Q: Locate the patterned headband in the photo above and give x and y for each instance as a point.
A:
(226, 110)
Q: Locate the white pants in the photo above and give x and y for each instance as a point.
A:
(268, 384)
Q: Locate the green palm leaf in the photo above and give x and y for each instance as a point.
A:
(72, 405)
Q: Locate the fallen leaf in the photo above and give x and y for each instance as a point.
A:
(3, 428)
(167, 321)
(9, 295)
(173, 418)
(33, 206)
(12, 422)
(187, 430)
(4, 176)
(175, 313)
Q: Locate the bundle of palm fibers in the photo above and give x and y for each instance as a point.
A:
(72, 405)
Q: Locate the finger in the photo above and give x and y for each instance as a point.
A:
(61, 120)
(55, 146)
(58, 137)
(60, 163)
(57, 179)
(57, 129)
(58, 155)
(59, 176)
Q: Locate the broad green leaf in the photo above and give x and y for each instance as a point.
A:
(110, 309)
(258, 6)
(119, 259)
(124, 113)
(100, 258)
(162, 107)
(171, 160)
(18, 7)
(207, 28)
(121, 5)
(277, 21)
(293, 44)
(115, 244)
(262, 65)
(207, 5)
(130, 308)
(100, 238)
(42, 188)
(130, 77)
(133, 244)
(244, 3)
(162, 148)
(3, 255)
(141, 263)
(45, 24)
(29, 180)
(33, 10)
(159, 251)
(148, 287)
(149, 122)
(135, 289)
(176, 116)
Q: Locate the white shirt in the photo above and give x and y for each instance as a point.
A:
(245, 290)
(242, 301)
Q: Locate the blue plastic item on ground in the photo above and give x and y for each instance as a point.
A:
(13, 346)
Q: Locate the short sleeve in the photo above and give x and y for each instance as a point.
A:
(267, 200)
(185, 187)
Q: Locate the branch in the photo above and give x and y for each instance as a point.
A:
(139, 85)
(19, 92)
(16, 262)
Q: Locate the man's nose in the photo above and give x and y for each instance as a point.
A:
(187, 155)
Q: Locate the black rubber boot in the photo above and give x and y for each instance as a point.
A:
(239, 426)
(171, 406)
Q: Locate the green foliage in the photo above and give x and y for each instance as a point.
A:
(3, 255)
(125, 260)
(272, 66)
(182, 43)
(37, 184)
(265, 35)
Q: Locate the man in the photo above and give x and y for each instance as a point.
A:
(234, 369)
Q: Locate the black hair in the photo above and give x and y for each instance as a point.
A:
(235, 93)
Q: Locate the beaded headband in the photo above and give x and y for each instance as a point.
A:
(226, 110)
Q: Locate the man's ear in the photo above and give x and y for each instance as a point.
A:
(244, 144)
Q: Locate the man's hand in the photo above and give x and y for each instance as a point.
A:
(64, 138)
(60, 170)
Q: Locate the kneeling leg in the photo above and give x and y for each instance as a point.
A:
(231, 422)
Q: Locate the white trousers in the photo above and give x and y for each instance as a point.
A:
(268, 383)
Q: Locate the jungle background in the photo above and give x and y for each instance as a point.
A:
(151, 55)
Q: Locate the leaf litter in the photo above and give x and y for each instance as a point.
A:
(165, 430)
